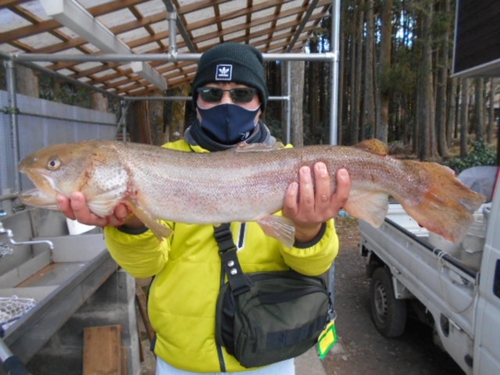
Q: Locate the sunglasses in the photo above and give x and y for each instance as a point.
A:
(215, 94)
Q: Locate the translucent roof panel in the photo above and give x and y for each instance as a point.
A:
(142, 26)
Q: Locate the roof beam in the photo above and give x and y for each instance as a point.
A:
(72, 15)
(313, 5)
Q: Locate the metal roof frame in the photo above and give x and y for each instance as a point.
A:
(172, 56)
(93, 27)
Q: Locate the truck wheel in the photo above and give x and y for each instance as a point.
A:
(388, 313)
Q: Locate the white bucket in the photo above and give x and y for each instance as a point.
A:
(75, 227)
(473, 242)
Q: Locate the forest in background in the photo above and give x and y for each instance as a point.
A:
(396, 83)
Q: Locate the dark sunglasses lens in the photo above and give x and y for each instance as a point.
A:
(239, 95)
(242, 95)
(211, 95)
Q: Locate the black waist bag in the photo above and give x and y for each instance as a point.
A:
(267, 317)
(279, 317)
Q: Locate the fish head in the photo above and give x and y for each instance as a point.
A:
(57, 169)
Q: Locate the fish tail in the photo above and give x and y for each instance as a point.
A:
(446, 205)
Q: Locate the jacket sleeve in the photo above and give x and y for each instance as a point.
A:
(141, 255)
(314, 258)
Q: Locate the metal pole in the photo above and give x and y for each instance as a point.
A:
(335, 43)
(164, 57)
(56, 75)
(122, 122)
(288, 103)
(174, 98)
(10, 72)
(172, 33)
(180, 26)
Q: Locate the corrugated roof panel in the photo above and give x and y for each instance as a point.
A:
(143, 26)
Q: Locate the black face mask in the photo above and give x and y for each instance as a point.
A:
(228, 123)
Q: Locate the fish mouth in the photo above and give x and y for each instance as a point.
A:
(45, 193)
(38, 198)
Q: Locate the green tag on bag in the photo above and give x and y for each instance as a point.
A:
(327, 339)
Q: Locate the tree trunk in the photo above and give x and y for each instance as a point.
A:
(314, 91)
(176, 126)
(284, 104)
(479, 109)
(27, 82)
(464, 117)
(491, 112)
(99, 102)
(425, 113)
(358, 66)
(451, 110)
(140, 130)
(349, 69)
(384, 67)
(297, 93)
(441, 93)
(368, 113)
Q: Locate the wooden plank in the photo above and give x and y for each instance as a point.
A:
(124, 361)
(141, 300)
(102, 350)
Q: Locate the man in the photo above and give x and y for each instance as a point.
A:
(230, 95)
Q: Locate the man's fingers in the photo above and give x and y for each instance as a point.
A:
(323, 190)
(306, 189)
(64, 205)
(343, 186)
(290, 204)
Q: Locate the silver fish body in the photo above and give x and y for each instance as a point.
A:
(244, 184)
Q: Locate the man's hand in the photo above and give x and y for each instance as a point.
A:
(308, 208)
(76, 208)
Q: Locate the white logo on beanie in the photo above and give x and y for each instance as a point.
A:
(223, 72)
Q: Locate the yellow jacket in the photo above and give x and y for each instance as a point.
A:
(187, 269)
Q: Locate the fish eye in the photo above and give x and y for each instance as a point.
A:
(54, 163)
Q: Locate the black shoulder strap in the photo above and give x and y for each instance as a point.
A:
(237, 280)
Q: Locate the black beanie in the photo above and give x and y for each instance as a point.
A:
(232, 62)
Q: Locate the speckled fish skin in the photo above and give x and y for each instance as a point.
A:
(247, 183)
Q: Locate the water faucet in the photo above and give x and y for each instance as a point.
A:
(10, 235)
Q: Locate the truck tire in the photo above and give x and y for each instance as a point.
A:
(388, 313)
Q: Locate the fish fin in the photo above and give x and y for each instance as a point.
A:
(279, 227)
(446, 207)
(161, 231)
(102, 205)
(374, 146)
(257, 147)
(370, 207)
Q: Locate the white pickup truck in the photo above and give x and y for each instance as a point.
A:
(455, 288)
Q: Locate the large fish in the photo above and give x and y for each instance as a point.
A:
(247, 183)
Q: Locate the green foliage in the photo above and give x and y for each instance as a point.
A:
(480, 154)
(63, 92)
(398, 79)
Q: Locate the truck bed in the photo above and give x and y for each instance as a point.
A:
(445, 285)
(426, 272)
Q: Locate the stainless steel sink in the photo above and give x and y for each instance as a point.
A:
(60, 280)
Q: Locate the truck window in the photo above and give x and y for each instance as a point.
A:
(496, 281)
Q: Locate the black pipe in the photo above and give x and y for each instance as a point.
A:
(12, 365)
